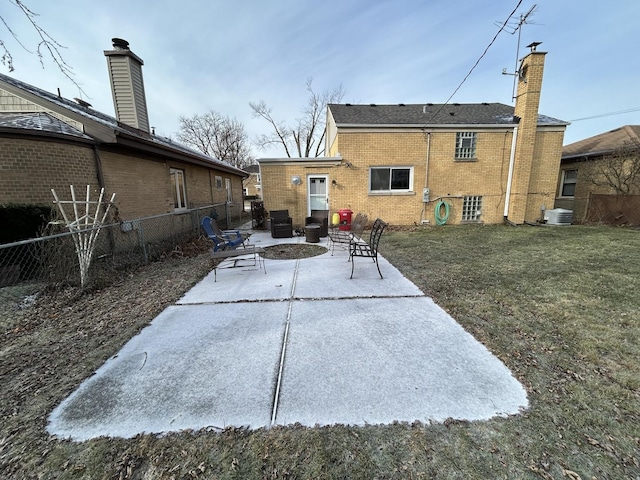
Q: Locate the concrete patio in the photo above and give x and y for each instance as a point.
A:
(300, 344)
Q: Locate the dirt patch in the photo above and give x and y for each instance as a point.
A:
(289, 251)
(49, 346)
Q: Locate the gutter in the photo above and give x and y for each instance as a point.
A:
(512, 159)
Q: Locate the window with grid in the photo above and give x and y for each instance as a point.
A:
(472, 208)
(390, 179)
(568, 187)
(466, 145)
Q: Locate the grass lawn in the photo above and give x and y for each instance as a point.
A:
(559, 306)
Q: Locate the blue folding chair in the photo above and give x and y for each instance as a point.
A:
(223, 239)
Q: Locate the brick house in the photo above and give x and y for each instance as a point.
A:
(47, 141)
(488, 162)
(574, 188)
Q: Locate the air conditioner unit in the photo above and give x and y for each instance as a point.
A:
(558, 216)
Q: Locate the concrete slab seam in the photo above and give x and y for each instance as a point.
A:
(297, 299)
(283, 351)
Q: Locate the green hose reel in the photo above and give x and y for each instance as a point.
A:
(442, 219)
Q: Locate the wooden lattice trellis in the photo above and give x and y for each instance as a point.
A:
(86, 226)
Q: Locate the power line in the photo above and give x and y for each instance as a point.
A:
(479, 59)
(629, 110)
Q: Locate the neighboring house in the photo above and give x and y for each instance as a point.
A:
(489, 162)
(574, 185)
(47, 141)
(251, 185)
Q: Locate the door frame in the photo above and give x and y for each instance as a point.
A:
(326, 182)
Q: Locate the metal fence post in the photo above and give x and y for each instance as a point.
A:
(142, 242)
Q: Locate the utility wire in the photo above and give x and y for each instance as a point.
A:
(478, 61)
(635, 109)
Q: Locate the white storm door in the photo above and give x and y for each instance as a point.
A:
(318, 193)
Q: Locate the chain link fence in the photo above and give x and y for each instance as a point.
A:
(28, 266)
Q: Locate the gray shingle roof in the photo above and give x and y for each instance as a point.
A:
(40, 121)
(429, 114)
(111, 122)
(604, 143)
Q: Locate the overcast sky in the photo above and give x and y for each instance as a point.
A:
(202, 55)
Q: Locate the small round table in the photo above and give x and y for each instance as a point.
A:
(313, 233)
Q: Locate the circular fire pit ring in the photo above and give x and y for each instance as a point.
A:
(291, 251)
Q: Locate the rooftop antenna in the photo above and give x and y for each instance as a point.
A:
(512, 27)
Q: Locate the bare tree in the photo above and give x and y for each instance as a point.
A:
(619, 171)
(306, 137)
(46, 45)
(218, 136)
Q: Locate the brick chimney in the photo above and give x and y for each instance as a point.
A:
(526, 110)
(127, 85)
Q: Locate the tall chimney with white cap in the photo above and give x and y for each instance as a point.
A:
(127, 85)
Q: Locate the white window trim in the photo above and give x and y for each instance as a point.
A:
(182, 202)
(229, 189)
(562, 183)
(392, 191)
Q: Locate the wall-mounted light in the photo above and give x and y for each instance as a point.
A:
(295, 180)
(334, 183)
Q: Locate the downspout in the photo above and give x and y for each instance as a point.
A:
(426, 177)
(426, 167)
(101, 183)
(512, 158)
(100, 173)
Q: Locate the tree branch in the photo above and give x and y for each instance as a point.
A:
(309, 129)
(46, 43)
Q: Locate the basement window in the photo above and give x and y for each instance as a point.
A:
(390, 179)
(472, 208)
(179, 188)
(466, 145)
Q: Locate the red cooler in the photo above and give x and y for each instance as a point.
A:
(345, 218)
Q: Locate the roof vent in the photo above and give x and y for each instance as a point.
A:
(429, 104)
(485, 104)
(452, 113)
(82, 102)
(372, 104)
(347, 104)
(401, 104)
(456, 104)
